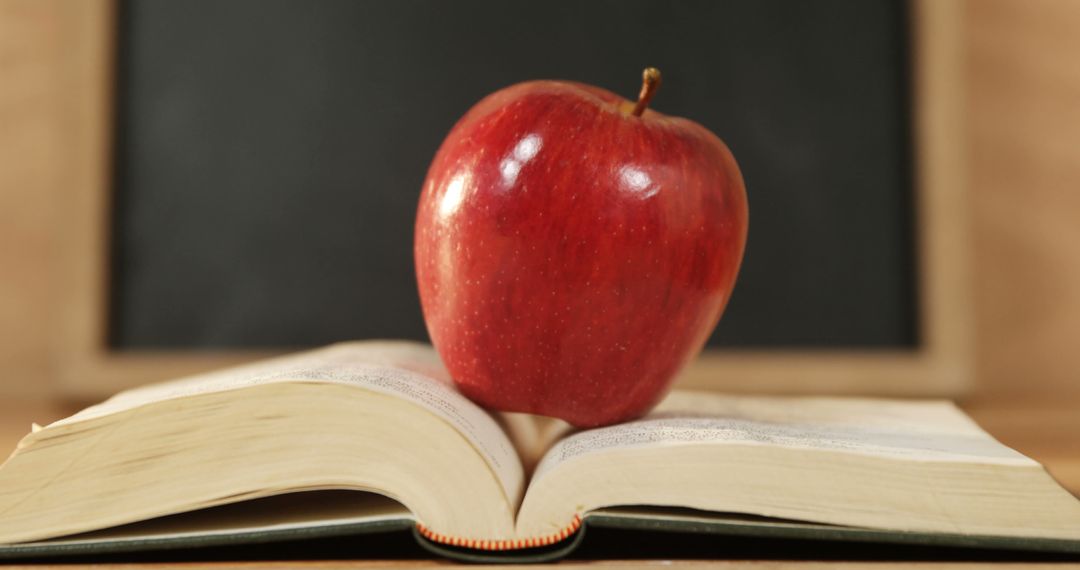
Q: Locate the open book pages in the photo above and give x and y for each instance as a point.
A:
(383, 417)
(901, 465)
(408, 371)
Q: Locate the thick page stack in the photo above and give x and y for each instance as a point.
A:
(372, 437)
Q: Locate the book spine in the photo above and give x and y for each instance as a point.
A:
(505, 544)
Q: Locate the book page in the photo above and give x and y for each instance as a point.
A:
(920, 431)
(280, 514)
(532, 435)
(410, 371)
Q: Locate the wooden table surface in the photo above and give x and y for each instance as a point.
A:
(1048, 431)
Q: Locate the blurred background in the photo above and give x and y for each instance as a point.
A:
(264, 160)
(267, 156)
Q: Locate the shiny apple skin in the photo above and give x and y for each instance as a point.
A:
(571, 257)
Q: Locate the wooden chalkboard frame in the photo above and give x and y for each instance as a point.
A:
(939, 366)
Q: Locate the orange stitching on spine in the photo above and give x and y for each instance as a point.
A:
(505, 544)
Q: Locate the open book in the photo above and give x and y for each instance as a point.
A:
(380, 439)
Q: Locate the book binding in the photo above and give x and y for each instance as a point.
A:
(500, 545)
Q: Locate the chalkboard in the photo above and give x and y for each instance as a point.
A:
(269, 155)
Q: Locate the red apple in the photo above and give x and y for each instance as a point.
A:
(574, 250)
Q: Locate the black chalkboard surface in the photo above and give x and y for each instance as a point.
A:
(269, 154)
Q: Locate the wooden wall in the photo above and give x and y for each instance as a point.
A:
(31, 84)
(1023, 89)
(1024, 171)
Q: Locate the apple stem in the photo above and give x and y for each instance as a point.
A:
(650, 82)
